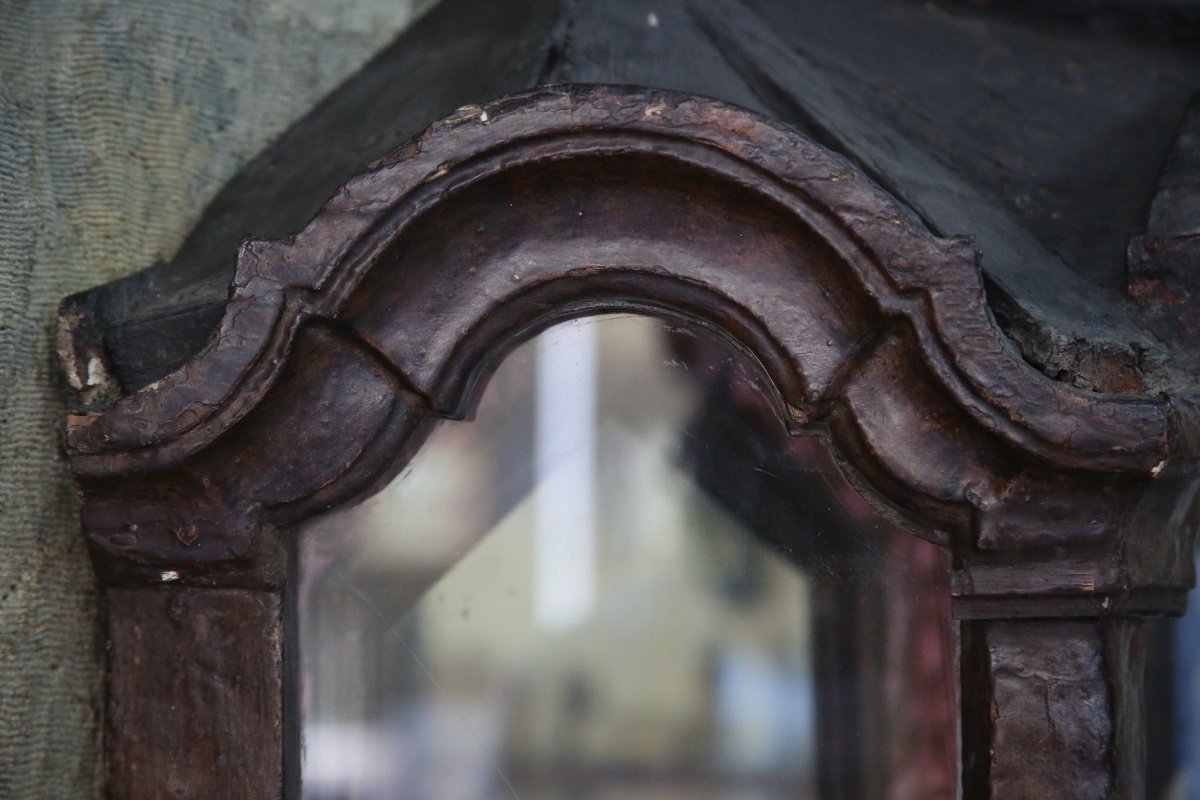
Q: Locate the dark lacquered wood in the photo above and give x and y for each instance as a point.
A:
(586, 200)
(911, 92)
(1052, 708)
(340, 345)
(195, 706)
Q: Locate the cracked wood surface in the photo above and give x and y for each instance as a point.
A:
(386, 312)
(341, 346)
(585, 199)
(195, 694)
(1052, 708)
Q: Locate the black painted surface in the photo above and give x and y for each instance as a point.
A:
(459, 53)
(1039, 133)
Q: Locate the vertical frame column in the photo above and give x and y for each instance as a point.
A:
(1052, 708)
(195, 694)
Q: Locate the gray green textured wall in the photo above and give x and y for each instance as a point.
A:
(119, 120)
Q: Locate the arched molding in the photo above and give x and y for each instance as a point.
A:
(385, 312)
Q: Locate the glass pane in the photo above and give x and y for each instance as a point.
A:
(623, 579)
(1172, 705)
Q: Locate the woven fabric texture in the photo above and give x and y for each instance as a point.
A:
(119, 120)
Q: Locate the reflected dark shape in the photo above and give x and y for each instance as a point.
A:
(624, 579)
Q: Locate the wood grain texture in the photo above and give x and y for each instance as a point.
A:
(195, 706)
(890, 255)
(912, 93)
(587, 199)
(1052, 708)
(215, 519)
(992, 153)
(341, 345)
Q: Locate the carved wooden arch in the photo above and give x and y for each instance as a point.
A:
(340, 345)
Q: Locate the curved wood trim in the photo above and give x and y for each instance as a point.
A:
(340, 347)
(388, 309)
(934, 283)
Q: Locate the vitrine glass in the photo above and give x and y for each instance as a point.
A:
(623, 578)
(1172, 692)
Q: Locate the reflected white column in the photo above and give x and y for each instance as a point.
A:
(565, 555)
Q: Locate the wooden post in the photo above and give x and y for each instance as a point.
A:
(1051, 709)
(195, 703)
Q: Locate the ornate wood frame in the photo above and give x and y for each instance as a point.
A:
(1068, 514)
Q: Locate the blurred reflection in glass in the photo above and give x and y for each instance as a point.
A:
(623, 579)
